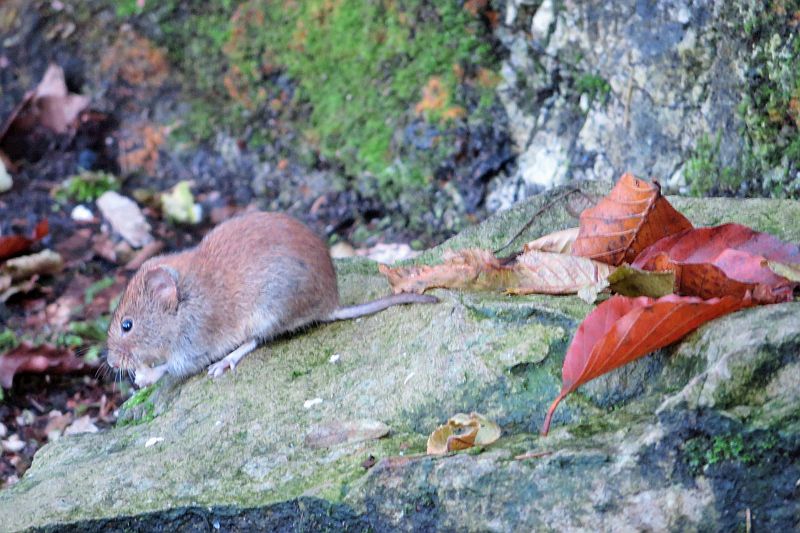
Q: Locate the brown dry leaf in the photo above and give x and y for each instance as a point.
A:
(50, 105)
(633, 216)
(46, 262)
(42, 358)
(529, 273)
(22, 287)
(558, 242)
(463, 431)
(552, 273)
(338, 432)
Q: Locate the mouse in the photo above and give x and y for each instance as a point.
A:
(250, 279)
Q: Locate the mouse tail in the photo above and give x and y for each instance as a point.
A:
(355, 311)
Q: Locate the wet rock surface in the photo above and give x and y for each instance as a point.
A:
(698, 436)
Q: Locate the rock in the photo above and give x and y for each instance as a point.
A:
(592, 90)
(125, 218)
(688, 438)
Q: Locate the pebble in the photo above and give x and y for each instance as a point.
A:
(81, 213)
(5, 178)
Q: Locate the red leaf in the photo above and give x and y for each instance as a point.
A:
(633, 216)
(623, 329)
(730, 259)
(43, 358)
(11, 245)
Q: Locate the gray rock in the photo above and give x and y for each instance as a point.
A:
(691, 438)
(593, 89)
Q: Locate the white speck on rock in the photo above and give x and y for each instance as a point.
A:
(153, 441)
(308, 404)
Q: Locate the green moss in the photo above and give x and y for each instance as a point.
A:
(705, 173)
(358, 72)
(86, 186)
(8, 340)
(594, 86)
(141, 401)
(703, 451)
(770, 110)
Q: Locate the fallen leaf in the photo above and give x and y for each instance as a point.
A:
(627, 280)
(125, 217)
(559, 242)
(528, 273)
(463, 431)
(50, 105)
(623, 329)
(27, 358)
(11, 245)
(633, 216)
(10, 289)
(730, 259)
(338, 432)
(46, 262)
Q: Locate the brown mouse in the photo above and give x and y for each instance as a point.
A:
(250, 279)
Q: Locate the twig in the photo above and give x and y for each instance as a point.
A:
(541, 210)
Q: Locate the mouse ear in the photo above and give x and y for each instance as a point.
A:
(162, 284)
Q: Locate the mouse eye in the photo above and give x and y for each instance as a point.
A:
(126, 325)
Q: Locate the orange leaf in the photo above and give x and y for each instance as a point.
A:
(632, 217)
(730, 259)
(11, 245)
(623, 329)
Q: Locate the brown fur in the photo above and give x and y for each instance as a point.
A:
(251, 278)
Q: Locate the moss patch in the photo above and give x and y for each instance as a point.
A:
(350, 73)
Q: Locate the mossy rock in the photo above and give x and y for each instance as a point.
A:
(650, 446)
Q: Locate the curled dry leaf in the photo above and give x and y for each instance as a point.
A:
(11, 245)
(632, 217)
(730, 259)
(463, 431)
(28, 357)
(529, 273)
(622, 329)
(338, 432)
(46, 262)
(558, 242)
(125, 217)
(50, 105)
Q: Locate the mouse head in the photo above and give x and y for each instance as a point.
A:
(145, 326)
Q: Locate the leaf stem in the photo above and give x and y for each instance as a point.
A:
(546, 425)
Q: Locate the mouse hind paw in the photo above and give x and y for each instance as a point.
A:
(231, 360)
